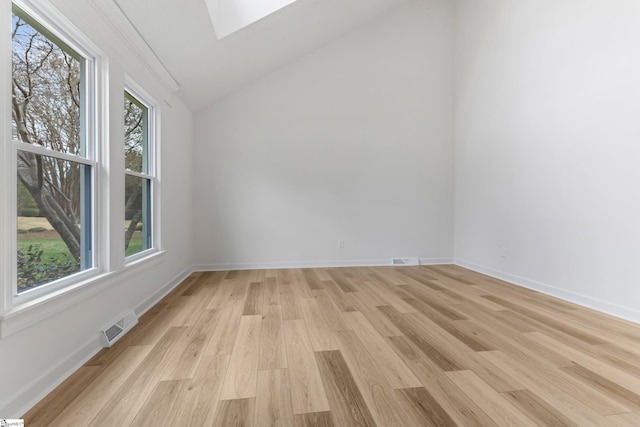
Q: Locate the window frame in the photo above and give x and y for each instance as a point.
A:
(53, 25)
(142, 98)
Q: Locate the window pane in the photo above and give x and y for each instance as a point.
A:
(47, 88)
(137, 214)
(135, 134)
(53, 216)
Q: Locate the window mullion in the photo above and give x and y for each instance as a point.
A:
(37, 149)
(137, 174)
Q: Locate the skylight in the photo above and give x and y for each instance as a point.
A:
(229, 16)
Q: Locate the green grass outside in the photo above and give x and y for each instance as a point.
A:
(54, 248)
(135, 244)
(55, 256)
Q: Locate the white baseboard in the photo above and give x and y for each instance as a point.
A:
(606, 307)
(312, 264)
(436, 261)
(36, 390)
(143, 307)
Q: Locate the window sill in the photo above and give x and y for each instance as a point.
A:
(23, 315)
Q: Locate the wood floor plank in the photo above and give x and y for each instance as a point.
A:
(545, 319)
(235, 413)
(56, 401)
(272, 350)
(605, 322)
(188, 351)
(392, 367)
(314, 419)
(146, 322)
(343, 282)
(288, 303)
(625, 420)
(312, 278)
(494, 404)
(188, 282)
(499, 334)
(613, 354)
(221, 297)
(284, 276)
(537, 409)
(440, 357)
(338, 296)
(273, 401)
(319, 330)
(448, 325)
(127, 401)
(307, 391)
(174, 309)
(330, 313)
(420, 399)
(395, 346)
(381, 288)
(461, 408)
(613, 374)
(347, 404)
(224, 335)
(241, 284)
(194, 316)
(270, 294)
(382, 324)
(185, 305)
(431, 304)
(242, 373)
(96, 394)
(253, 302)
(605, 386)
(162, 405)
(556, 390)
(385, 406)
(203, 391)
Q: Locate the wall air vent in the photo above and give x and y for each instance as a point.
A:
(117, 329)
(405, 261)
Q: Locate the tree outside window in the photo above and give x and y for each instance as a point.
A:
(138, 176)
(54, 171)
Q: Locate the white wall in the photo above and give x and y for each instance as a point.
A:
(34, 359)
(547, 146)
(352, 142)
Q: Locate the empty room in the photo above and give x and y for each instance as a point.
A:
(319, 213)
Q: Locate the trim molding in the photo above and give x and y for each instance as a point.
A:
(120, 23)
(312, 264)
(30, 312)
(145, 305)
(37, 389)
(616, 310)
(25, 399)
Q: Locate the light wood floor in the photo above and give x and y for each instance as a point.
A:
(408, 346)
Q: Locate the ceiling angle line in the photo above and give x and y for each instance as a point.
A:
(146, 43)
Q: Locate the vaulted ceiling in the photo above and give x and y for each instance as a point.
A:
(207, 69)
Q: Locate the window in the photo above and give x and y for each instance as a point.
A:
(54, 155)
(139, 175)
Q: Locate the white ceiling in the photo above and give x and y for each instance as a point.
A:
(208, 69)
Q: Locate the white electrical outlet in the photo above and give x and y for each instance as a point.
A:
(341, 244)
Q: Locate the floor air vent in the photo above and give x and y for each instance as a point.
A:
(117, 329)
(405, 261)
